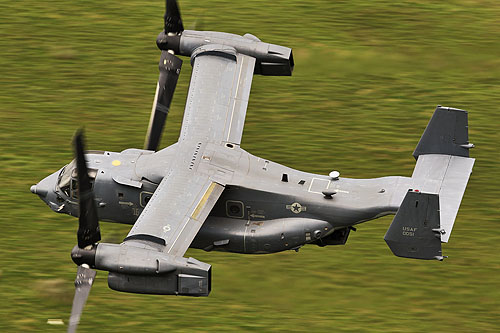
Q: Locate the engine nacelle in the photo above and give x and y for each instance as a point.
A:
(139, 267)
(271, 59)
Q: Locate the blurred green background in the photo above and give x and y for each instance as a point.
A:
(368, 76)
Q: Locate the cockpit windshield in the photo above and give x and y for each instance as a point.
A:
(68, 182)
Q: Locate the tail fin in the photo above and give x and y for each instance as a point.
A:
(415, 231)
(442, 171)
(447, 133)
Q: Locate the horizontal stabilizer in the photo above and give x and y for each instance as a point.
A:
(415, 231)
(447, 133)
(446, 176)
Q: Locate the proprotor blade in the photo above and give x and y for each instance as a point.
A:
(88, 228)
(170, 67)
(173, 21)
(83, 282)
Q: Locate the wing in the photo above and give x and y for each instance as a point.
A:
(214, 116)
(177, 210)
(217, 101)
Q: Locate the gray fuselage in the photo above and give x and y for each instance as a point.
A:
(265, 208)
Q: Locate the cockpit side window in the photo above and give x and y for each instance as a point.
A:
(74, 188)
(74, 181)
(68, 182)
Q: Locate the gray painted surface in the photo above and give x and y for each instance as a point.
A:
(447, 176)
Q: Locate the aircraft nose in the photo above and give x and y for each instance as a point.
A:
(45, 186)
(40, 189)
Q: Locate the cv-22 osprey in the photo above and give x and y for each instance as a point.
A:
(206, 192)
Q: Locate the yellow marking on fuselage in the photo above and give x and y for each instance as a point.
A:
(116, 162)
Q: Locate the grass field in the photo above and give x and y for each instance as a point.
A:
(368, 76)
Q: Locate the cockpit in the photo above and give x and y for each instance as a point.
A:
(68, 181)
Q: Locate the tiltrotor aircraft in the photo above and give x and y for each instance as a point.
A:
(206, 192)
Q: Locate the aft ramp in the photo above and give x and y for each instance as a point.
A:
(427, 214)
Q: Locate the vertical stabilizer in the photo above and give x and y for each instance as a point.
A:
(447, 134)
(415, 231)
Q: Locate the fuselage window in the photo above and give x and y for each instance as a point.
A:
(235, 209)
(145, 197)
